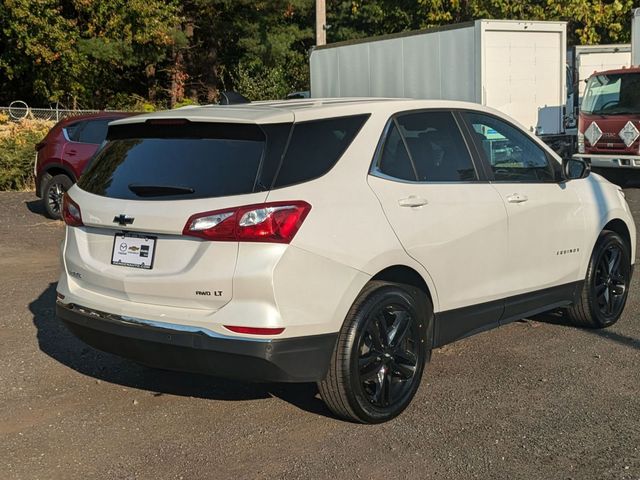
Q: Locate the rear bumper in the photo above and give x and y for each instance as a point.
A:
(173, 347)
(610, 160)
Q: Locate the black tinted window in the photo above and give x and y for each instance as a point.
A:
(94, 131)
(316, 146)
(437, 147)
(513, 156)
(173, 168)
(73, 131)
(395, 160)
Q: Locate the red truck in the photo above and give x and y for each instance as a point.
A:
(609, 123)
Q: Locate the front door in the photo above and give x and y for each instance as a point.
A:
(446, 217)
(546, 219)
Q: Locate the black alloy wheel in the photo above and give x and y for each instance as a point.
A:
(606, 285)
(388, 355)
(610, 281)
(380, 355)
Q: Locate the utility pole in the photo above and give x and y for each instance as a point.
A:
(321, 22)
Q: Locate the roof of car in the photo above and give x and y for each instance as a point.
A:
(282, 111)
(95, 116)
(617, 71)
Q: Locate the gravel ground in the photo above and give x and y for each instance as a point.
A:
(532, 400)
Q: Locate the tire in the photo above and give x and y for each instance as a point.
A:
(373, 376)
(606, 286)
(52, 193)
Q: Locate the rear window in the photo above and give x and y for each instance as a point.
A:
(206, 160)
(187, 163)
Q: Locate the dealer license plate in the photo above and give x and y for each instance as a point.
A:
(132, 250)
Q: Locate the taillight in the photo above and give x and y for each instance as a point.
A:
(275, 222)
(71, 212)
(255, 330)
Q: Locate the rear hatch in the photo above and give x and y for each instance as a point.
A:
(138, 194)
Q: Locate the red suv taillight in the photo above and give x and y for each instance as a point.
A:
(71, 212)
(275, 222)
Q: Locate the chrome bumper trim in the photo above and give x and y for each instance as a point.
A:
(112, 317)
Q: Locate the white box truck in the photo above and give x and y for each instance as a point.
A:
(635, 37)
(517, 67)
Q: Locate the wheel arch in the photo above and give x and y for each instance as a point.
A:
(619, 226)
(59, 169)
(406, 275)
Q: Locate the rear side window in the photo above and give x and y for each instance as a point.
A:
(316, 146)
(395, 160)
(89, 131)
(437, 147)
(94, 131)
(73, 131)
(177, 163)
(426, 147)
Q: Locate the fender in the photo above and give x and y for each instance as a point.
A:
(53, 164)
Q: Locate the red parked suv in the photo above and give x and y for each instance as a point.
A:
(64, 153)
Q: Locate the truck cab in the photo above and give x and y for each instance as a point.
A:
(609, 121)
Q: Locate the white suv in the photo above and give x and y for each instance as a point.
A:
(337, 241)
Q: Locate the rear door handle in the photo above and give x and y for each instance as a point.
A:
(412, 201)
(517, 198)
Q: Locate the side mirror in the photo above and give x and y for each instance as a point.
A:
(575, 168)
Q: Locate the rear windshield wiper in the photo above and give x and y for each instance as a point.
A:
(159, 190)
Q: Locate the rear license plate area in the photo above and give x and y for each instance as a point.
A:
(133, 250)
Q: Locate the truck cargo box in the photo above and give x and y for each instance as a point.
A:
(517, 67)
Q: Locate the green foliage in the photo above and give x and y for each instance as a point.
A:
(17, 153)
(141, 54)
(185, 103)
(261, 83)
(83, 51)
(130, 103)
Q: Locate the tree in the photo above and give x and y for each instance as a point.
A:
(39, 60)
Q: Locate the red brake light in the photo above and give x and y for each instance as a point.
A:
(71, 212)
(275, 222)
(255, 331)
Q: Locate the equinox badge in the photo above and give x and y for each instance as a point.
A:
(122, 219)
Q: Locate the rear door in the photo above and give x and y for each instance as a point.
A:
(140, 191)
(446, 216)
(547, 234)
(83, 140)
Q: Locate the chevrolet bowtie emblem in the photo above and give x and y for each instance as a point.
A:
(122, 219)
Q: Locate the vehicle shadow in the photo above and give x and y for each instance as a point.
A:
(35, 206)
(560, 318)
(57, 342)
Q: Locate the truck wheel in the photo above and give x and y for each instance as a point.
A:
(52, 194)
(606, 285)
(380, 354)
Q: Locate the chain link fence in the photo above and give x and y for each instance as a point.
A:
(19, 110)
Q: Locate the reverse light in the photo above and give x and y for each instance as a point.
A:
(254, 330)
(71, 212)
(275, 222)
